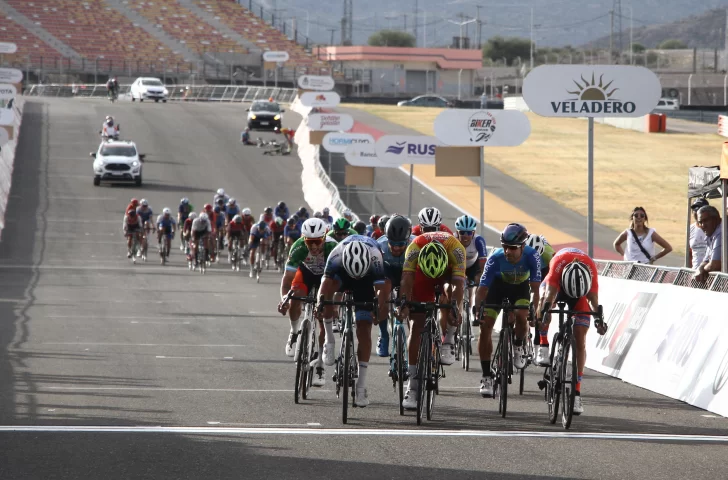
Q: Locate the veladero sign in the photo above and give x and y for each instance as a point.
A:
(336, 142)
(332, 122)
(10, 75)
(319, 99)
(316, 82)
(275, 56)
(7, 47)
(482, 128)
(591, 91)
(7, 91)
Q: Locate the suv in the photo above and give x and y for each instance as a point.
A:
(117, 162)
(667, 103)
(150, 88)
(265, 115)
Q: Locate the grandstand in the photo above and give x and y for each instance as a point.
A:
(29, 46)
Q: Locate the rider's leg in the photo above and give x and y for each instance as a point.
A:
(364, 350)
(485, 342)
(581, 327)
(417, 325)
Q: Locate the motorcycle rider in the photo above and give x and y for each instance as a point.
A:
(109, 129)
(112, 87)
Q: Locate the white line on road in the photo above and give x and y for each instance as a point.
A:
(110, 344)
(311, 424)
(368, 432)
(164, 389)
(137, 322)
(166, 357)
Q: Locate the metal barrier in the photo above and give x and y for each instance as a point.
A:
(716, 282)
(191, 93)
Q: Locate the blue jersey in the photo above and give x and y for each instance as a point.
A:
(219, 220)
(293, 233)
(392, 265)
(334, 267)
(145, 215)
(257, 233)
(527, 269)
(166, 223)
(184, 210)
(231, 211)
(281, 212)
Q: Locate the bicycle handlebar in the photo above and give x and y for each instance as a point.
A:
(348, 303)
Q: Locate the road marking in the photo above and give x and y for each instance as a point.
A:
(311, 424)
(137, 322)
(166, 357)
(367, 432)
(111, 344)
(165, 389)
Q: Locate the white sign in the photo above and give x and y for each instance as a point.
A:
(331, 122)
(403, 149)
(10, 75)
(319, 99)
(6, 47)
(7, 91)
(4, 137)
(7, 116)
(591, 91)
(365, 155)
(316, 82)
(340, 142)
(275, 56)
(482, 128)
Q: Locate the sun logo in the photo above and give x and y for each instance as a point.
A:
(591, 90)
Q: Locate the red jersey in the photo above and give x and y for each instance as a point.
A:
(268, 218)
(275, 228)
(248, 222)
(564, 257)
(377, 233)
(417, 229)
(234, 227)
(188, 225)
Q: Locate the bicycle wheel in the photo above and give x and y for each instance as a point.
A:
(552, 384)
(465, 338)
(505, 368)
(433, 380)
(312, 351)
(347, 349)
(568, 387)
(423, 363)
(298, 382)
(303, 358)
(400, 362)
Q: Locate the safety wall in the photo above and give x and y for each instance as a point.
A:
(723, 125)
(666, 338)
(7, 156)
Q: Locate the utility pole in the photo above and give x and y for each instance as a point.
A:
(346, 23)
(332, 30)
(417, 7)
(480, 27)
(618, 12)
(405, 22)
(611, 37)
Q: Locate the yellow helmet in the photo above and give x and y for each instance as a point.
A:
(432, 259)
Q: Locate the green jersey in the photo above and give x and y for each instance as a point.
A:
(300, 255)
(351, 232)
(547, 255)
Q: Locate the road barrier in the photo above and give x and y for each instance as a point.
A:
(7, 155)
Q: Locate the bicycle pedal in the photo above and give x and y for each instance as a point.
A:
(541, 384)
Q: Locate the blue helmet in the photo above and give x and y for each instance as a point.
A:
(217, 209)
(514, 234)
(262, 224)
(466, 223)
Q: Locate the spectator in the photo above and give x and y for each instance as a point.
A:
(698, 240)
(483, 101)
(710, 222)
(641, 240)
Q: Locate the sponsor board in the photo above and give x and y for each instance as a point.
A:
(340, 142)
(10, 75)
(7, 47)
(275, 56)
(7, 116)
(482, 128)
(405, 149)
(331, 122)
(319, 99)
(7, 91)
(4, 136)
(316, 82)
(364, 155)
(591, 91)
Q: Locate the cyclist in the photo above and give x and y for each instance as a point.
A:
(360, 227)
(291, 233)
(220, 194)
(112, 87)
(235, 230)
(109, 130)
(373, 225)
(347, 214)
(220, 221)
(304, 269)
(201, 230)
(133, 204)
(231, 209)
(282, 211)
(327, 217)
(381, 227)
(146, 214)
(267, 215)
(259, 236)
(187, 232)
(355, 265)
(132, 227)
(245, 137)
(341, 229)
(212, 217)
(302, 214)
(398, 236)
(573, 279)
(248, 222)
(430, 221)
(475, 250)
(183, 211)
(546, 252)
(432, 260)
(508, 273)
(165, 226)
(277, 228)
(318, 215)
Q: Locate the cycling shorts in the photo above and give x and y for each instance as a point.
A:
(197, 235)
(255, 243)
(424, 287)
(304, 280)
(236, 234)
(167, 231)
(363, 290)
(517, 294)
(277, 236)
(133, 230)
(473, 273)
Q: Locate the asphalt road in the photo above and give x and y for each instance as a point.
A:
(184, 376)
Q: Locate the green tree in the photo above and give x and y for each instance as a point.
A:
(499, 47)
(391, 38)
(638, 48)
(672, 44)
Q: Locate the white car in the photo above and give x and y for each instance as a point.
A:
(117, 162)
(148, 88)
(666, 103)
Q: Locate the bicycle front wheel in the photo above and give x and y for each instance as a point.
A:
(552, 384)
(568, 385)
(505, 370)
(465, 338)
(304, 347)
(433, 380)
(401, 364)
(423, 364)
(348, 347)
(300, 367)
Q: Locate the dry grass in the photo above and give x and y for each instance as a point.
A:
(631, 168)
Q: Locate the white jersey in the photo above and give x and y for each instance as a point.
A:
(199, 225)
(108, 131)
(128, 223)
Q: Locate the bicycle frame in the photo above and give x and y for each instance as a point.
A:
(306, 347)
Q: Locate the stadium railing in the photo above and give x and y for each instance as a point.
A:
(716, 282)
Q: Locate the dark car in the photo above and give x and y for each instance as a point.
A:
(265, 115)
(426, 101)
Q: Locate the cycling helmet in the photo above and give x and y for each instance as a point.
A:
(193, 215)
(247, 212)
(302, 211)
(291, 222)
(347, 214)
(281, 204)
(398, 229)
(144, 202)
(166, 211)
(318, 214)
(204, 217)
(268, 210)
(535, 241)
(382, 224)
(208, 207)
(326, 211)
(313, 228)
(279, 221)
(237, 219)
(576, 280)
(262, 224)
(466, 223)
(135, 202)
(360, 227)
(185, 201)
(514, 234)
(432, 260)
(374, 219)
(217, 209)
(341, 224)
(221, 192)
(231, 201)
(356, 259)
(430, 217)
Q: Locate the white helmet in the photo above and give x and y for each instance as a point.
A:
(247, 211)
(318, 214)
(313, 228)
(220, 192)
(576, 280)
(166, 211)
(347, 213)
(356, 259)
(203, 217)
(144, 202)
(192, 215)
(537, 242)
(231, 201)
(430, 217)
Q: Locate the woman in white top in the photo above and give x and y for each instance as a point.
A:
(698, 240)
(641, 240)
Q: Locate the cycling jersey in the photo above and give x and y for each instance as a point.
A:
(275, 228)
(145, 214)
(475, 251)
(267, 218)
(376, 234)
(455, 252)
(248, 222)
(109, 131)
(132, 225)
(224, 198)
(187, 225)
(219, 220)
(231, 211)
(527, 269)
(234, 227)
(185, 210)
(329, 219)
(417, 229)
(167, 224)
(564, 257)
(547, 255)
(258, 233)
(392, 265)
(335, 269)
(281, 212)
(351, 232)
(198, 225)
(294, 233)
(300, 256)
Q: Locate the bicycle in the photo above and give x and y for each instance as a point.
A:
(281, 255)
(200, 259)
(235, 257)
(165, 247)
(398, 355)
(464, 340)
(563, 345)
(503, 356)
(307, 347)
(346, 369)
(429, 368)
(135, 246)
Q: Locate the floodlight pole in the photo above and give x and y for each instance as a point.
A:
(409, 206)
(482, 191)
(590, 190)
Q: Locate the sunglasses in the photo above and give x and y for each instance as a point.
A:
(397, 244)
(510, 247)
(341, 233)
(639, 215)
(467, 234)
(313, 241)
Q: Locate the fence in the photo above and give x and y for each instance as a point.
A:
(716, 282)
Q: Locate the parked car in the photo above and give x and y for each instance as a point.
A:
(426, 101)
(667, 103)
(148, 88)
(117, 162)
(265, 115)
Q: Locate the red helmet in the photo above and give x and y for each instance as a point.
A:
(374, 219)
(135, 202)
(208, 207)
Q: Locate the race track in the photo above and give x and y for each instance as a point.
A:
(170, 357)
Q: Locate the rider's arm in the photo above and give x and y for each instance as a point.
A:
(490, 271)
(286, 282)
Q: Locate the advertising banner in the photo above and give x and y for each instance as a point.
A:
(407, 149)
(320, 99)
(482, 128)
(330, 122)
(316, 82)
(275, 56)
(336, 142)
